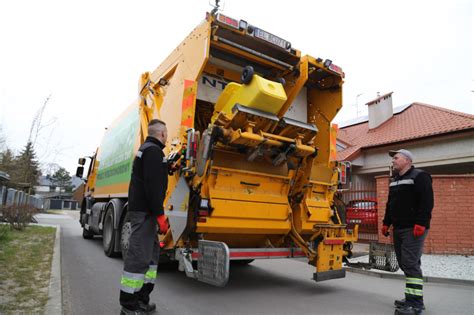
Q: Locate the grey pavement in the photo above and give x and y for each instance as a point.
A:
(436, 268)
(91, 286)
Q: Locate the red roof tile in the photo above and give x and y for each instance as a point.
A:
(416, 121)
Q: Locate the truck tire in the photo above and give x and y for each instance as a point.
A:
(125, 232)
(108, 234)
(87, 235)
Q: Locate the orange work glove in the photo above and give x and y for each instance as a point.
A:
(162, 221)
(418, 230)
(385, 230)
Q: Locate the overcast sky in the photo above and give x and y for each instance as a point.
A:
(88, 55)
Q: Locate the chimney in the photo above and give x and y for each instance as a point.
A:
(380, 110)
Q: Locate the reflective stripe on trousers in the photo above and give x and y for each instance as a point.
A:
(414, 288)
(131, 282)
(150, 275)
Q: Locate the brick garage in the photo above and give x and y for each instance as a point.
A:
(452, 221)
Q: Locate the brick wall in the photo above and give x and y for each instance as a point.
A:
(452, 222)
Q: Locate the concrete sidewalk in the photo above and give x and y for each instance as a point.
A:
(454, 269)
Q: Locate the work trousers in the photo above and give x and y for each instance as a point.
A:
(141, 261)
(409, 249)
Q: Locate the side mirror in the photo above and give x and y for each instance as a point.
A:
(81, 161)
(80, 171)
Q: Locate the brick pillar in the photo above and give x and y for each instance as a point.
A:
(382, 196)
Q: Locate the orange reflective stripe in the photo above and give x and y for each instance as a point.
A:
(333, 142)
(189, 101)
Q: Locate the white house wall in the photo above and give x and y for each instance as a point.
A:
(435, 152)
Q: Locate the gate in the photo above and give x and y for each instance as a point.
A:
(362, 208)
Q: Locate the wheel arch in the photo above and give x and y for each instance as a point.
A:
(117, 206)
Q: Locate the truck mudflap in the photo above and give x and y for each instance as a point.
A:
(213, 263)
(328, 275)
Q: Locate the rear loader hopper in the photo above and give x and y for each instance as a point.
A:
(249, 150)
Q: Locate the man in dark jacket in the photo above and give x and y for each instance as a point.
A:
(146, 195)
(409, 206)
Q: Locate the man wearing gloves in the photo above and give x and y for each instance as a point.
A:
(147, 192)
(409, 206)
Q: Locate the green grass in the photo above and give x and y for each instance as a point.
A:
(25, 264)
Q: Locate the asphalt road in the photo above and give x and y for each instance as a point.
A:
(284, 286)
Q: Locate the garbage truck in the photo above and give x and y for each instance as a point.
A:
(249, 123)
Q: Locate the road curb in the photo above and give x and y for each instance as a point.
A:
(402, 277)
(55, 298)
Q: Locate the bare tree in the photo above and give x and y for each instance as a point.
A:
(37, 123)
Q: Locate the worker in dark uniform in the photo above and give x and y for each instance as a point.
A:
(409, 206)
(146, 194)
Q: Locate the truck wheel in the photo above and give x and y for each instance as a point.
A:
(108, 234)
(87, 234)
(247, 75)
(125, 233)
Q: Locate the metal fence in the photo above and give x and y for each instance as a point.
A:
(362, 209)
(13, 197)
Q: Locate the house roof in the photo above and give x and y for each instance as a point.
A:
(415, 121)
(45, 181)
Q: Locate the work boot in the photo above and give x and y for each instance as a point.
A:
(403, 302)
(126, 311)
(408, 310)
(147, 308)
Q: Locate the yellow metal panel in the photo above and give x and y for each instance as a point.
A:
(317, 203)
(234, 216)
(243, 226)
(319, 215)
(321, 173)
(247, 195)
(252, 210)
(329, 257)
(186, 62)
(233, 185)
(326, 104)
(292, 90)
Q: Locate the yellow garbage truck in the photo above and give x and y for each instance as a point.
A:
(249, 123)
